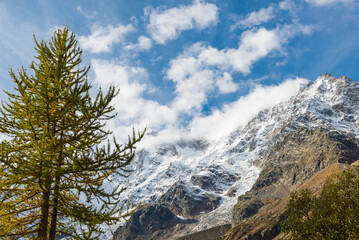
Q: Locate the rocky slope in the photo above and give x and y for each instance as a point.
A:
(194, 185)
(266, 223)
(287, 168)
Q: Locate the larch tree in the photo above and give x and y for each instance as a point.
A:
(56, 163)
(332, 215)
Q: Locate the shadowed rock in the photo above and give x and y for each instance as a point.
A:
(186, 200)
(215, 178)
(147, 220)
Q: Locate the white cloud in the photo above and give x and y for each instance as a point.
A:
(226, 84)
(167, 136)
(167, 25)
(223, 121)
(132, 108)
(287, 5)
(193, 78)
(144, 43)
(200, 69)
(102, 38)
(192, 91)
(136, 111)
(198, 73)
(263, 15)
(256, 18)
(328, 2)
(124, 76)
(229, 117)
(254, 45)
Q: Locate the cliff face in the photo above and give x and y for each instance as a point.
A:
(237, 179)
(266, 223)
(296, 162)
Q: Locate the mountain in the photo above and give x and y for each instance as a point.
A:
(201, 186)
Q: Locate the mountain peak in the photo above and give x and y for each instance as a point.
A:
(328, 84)
(326, 75)
(346, 79)
(330, 78)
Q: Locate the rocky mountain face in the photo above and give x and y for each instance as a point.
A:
(265, 224)
(191, 188)
(288, 166)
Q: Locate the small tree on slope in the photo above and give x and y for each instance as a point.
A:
(333, 215)
(52, 168)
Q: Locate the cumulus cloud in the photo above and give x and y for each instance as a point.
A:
(168, 24)
(225, 84)
(132, 108)
(255, 18)
(200, 69)
(144, 43)
(253, 45)
(328, 2)
(107, 72)
(192, 91)
(102, 38)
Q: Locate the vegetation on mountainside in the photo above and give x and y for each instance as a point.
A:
(332, 215)
(55, 170)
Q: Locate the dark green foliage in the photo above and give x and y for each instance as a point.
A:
(333, 215)
(54, 165)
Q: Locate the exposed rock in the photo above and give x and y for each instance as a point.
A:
(247, 205)
(303, 153)
(215, 178)
(167, 149)
(231, 192)
(186, 200)
(289, 164)
(266, 223)
(214, 233)
(147, 220)
(173, 169)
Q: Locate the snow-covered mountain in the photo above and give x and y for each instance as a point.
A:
(201, 180)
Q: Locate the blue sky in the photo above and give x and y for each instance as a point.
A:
(191, 68)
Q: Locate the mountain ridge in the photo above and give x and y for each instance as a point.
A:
(233, 164)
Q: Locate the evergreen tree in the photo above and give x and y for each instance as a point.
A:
(54, 165)
(333, 215)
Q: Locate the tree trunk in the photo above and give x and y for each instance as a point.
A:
(55, 203)
(45, 205)
(53, 224)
